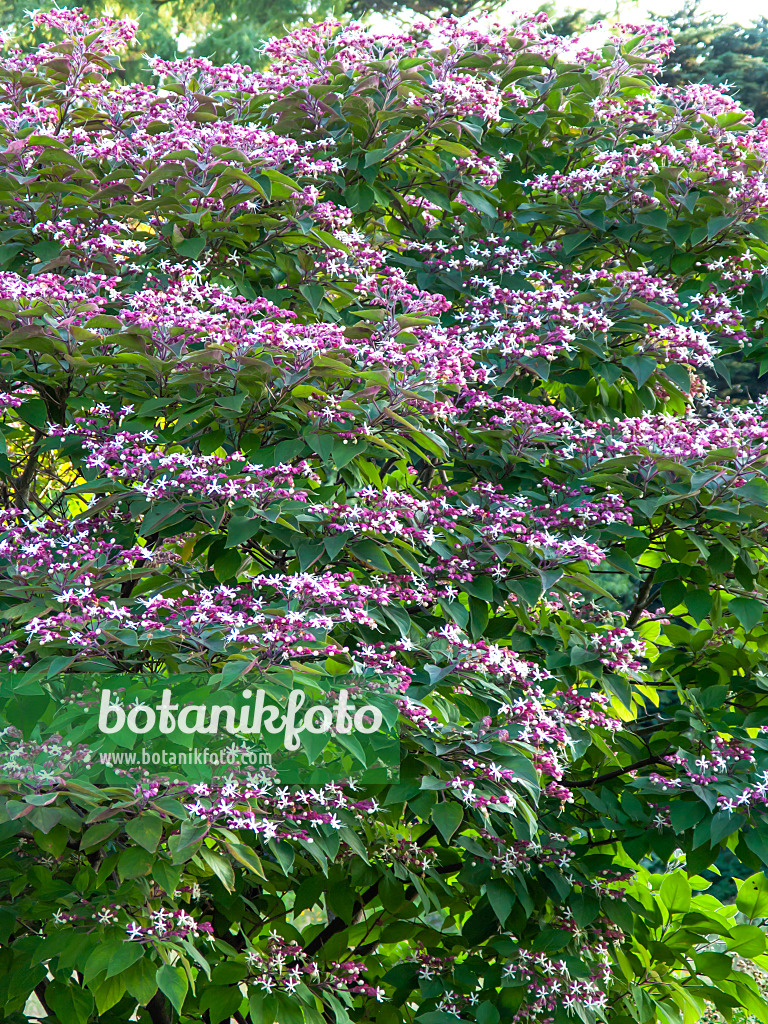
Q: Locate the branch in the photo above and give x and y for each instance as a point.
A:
(158, 1010)
(338, 925)
(642, 600)
(23, 483)
(410, 890)
(40, 993)
(614, 774)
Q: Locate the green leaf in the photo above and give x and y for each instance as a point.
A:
(140, 980)
(97, 835)
(455, 148)
(109, 993)
(653, 218)
(724, 824)
(716, 966)
(262, 1007)
(227, 565)
(69, 1002)
(313, 293)
(699, 603)
(641, 367)
(146, 830)
(478, 202)
(166, 876)
(288, 1009)
(191, 247)
(754, 491)
(241, 529)
(247, 857)
(220, 867)
(679, 376)
(685, 815)
(752, 897)
(370, 551)
(127, 955)
(748, 940)
(99, 959)
(7, 253)
(360, 197)
(747, 610)
(572, 242)
(447, 816)
(222, 1002)
(35, 413)
(172, 982)
(675, 893)
(501, 898)
(232, 402)
(184, 845)
(717, 224)
(134, 863)
(689, 199)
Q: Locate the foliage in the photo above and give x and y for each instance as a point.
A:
(221, 30)
(369, 369)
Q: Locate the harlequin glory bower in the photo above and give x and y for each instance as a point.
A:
(387, 368)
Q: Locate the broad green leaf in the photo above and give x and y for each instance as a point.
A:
(752, 897)
(145, 830)
(675, 893)
(172, 982)
(447, 816)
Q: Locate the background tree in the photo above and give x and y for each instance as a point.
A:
(710, 49)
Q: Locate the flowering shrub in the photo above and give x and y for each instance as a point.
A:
(385, 367)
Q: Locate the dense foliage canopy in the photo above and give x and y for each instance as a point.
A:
(382, 368)
(221, 30)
